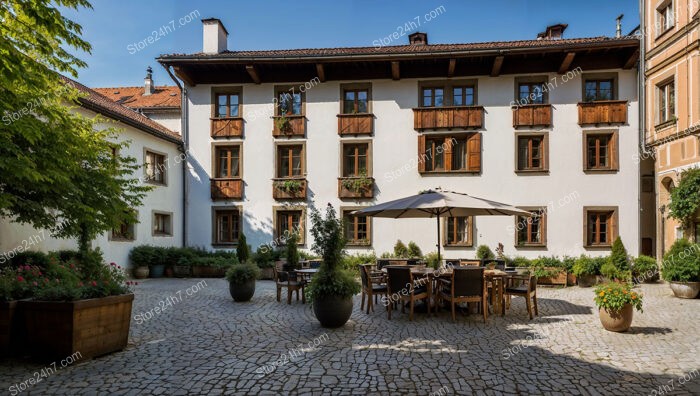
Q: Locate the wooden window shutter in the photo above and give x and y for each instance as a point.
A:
(614, 155)
(470, 231)
(613, 226)
(448, 153)
(421, 153)
(474, 153)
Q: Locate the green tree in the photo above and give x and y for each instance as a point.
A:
(58, 171)
(242, 250)
(414, 250)
(400, 250)
(685, 199)
(619, 257)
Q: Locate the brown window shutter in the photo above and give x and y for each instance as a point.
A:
(421, 153)
(470, 231)
(614, 155)
(474, 153)
(613, 226)
(448, 153)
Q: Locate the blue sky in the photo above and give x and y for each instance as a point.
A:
(114, 27)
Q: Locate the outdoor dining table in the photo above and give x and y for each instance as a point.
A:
(307, 273)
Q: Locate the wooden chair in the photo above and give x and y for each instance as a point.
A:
(371, 286)
(523, 286)
(467, 284)
(401, 287)
(289, 280)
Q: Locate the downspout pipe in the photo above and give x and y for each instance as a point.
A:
(185, 164)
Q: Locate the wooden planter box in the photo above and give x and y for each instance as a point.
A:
(296, 126)
(92, 327)
(227, 127)
(199, 271)
(347, 193)
(278, 193)
(226, 189)
(571, 279)
(355, 124)
(454, 117)
(8, 327)
(560, 279)
(267, 273)
(532, 115)
(603, 112)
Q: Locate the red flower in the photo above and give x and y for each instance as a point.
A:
(19, 278)
(94, 283)
(35, 284)
(119, 267)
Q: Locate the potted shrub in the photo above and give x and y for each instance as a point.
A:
(414, 251)
(618, 265)
(241, 281)
(615, 302)
(400, 250)
(645, 270)
(212, 266)
(522, 265)
(483, 252)
(84, 308)
(141, 258)
(681, 268)
(549, 271)
(292, 253)
(157, 265)
(263, 258)
(331, 290)
(242, 249)
(586, 270)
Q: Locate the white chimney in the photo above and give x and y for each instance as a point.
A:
(148, 86)
(215, 36)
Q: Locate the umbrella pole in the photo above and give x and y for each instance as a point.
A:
(438, 240)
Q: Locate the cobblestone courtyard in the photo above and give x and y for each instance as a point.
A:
(207, 344)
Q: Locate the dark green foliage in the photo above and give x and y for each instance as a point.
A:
(215, 262)
(263, 257)
(242, 273)
(685, 198)
(645, 268)
(585, 265)
(292, 251)
(484, 252)
(522, 262)
(39, 259)
(400, 250)
(682, 262)
(243, 249)
(351, 262)
(618, 256)
(413, 250)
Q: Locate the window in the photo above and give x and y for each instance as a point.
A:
(433, 97)
(155, 167)
(227, 226)
(355, 101)
(531, 93)
(452, 153)
(357, 229)
(530, 231)
(290, 161)
(596, 90)
(162, 224)
(289, 222)
(600, 151)
(227, 105)
(666, 102)
(532, 152)
(125, 232)
(289, 102)
(664, 18)
(463, 96)
(355, 159)
(458, 231)
(600, 227)
(228, 161)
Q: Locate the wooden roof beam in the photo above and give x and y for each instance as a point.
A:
(321, 72)
(632, 60)
(253, 73)
(566, 62)
(451, 67)
(183, 76)
(496, 68)
(395, 71)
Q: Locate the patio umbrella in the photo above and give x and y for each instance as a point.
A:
(431, 203)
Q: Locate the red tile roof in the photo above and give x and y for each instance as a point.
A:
(165, 96)
(109, 108)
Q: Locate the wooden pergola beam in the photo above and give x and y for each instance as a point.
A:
(253, 73)
(321, 72)
(632, 60)
(496, 68)
(451, 67)
(566, 62)
(395, 71)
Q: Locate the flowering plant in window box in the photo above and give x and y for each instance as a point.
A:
(289, 186)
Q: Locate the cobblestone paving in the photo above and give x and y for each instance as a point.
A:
(207, 344)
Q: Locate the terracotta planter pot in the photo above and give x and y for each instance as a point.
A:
(617, 321)
(92, 327)
(333, 311)
(8, 327)
(587, 280)
(141, 272)
(242, 292)
(685, 289)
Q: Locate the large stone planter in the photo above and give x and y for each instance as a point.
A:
(617, 321)
(91, 327)
(587, 280)
(333, 311)
(685, 289)
(8, 326)
(242, 292)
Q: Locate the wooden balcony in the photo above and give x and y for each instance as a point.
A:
(345, 192)
(289, 126)
(532, 115)
(226, 189)
(455, 117)
(227, 127)
(602, 112)
(355, 124)
(289, 188)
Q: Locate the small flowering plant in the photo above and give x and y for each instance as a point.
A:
(614, 296)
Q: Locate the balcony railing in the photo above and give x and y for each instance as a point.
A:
(227, 127)
(354, 187)
(602, 112)
(289, 125)
(289, 188)
(355, 124)
(532, 115)
(226, 189)
(454, 117)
